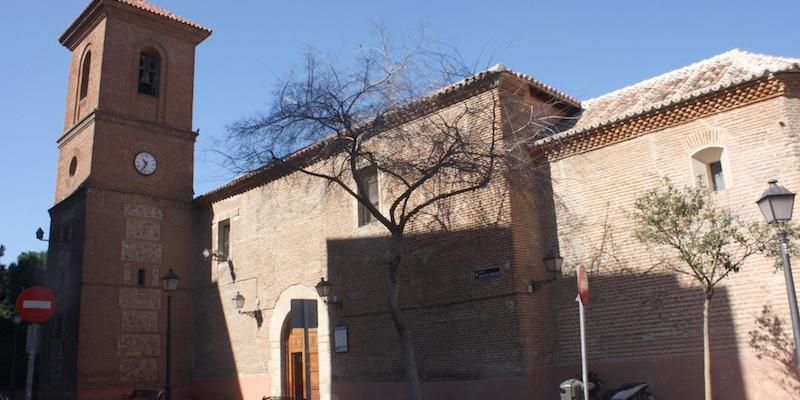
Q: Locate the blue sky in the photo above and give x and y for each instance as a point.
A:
(583, 48)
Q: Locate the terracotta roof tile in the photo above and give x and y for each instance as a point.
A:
(94, 10)
(247, 180)
(727, 69)
(147, 6)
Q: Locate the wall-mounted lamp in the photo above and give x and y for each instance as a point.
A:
(40, 236)
(324, 290)
(214, 255)
(221, 258)
(238, 304)
(552, 264)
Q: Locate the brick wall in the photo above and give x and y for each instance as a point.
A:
(636, 315)
(297, 229)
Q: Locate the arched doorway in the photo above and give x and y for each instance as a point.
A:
(295, 360)
(278, 335)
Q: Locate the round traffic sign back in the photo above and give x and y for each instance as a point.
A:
(583, 284)
(36, 304)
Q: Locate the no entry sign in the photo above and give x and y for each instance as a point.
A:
(36, 304)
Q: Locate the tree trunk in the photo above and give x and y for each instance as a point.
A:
(409, 357)
(706, 347)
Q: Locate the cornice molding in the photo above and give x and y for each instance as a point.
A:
(127, 120)
(123, 119)
(76, 129)
(714, 103)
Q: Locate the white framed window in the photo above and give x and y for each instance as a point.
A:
(369, 179)
(710, 168)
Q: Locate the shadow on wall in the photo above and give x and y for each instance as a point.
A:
(215, 375)
(648, 328)
(772, 340)
(470, 340)
(464, 328)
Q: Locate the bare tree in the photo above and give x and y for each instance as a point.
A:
(697, 239)
(383, 114)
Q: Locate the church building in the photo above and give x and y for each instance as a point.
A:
(487, 318)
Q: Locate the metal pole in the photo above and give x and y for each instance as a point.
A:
(29, 382)
(13, 383)
(306, 347)
(33, 348)
(168, 378)
(584, 370)
(787, 271)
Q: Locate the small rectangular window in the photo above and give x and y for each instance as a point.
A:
(140, 280)
(370, 183)
(717, 177)
(224, 232)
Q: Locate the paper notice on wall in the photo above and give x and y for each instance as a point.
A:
(340, 339)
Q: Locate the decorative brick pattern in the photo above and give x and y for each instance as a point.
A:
(141, 252)
(144, 229)
(139, 321)
(558, 148)
(140, 298)
(132, 345)
(144, 211)
(139, 369)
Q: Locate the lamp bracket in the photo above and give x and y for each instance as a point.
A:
(535, 285)
(252, 314)
(333, 301)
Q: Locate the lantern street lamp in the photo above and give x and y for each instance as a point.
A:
(169, 282)
(324, 291)
(776, 204)
(552, 264)
(238, 304)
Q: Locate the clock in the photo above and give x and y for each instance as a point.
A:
(145, 163)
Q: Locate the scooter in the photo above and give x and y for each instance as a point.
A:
(572, 389)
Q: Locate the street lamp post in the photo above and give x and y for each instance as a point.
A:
(777, 204)
(169, 282)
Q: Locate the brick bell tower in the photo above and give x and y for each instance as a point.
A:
(122, 214)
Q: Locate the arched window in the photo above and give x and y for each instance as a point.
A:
(87, 65)
(709, 168)
(149, 71)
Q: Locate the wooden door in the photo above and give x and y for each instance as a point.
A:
(296, 379)
(295, 384)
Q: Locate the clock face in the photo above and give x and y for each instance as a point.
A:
(145, 163)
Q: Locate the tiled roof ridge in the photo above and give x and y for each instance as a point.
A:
(493, 71)
(587, 103)
(496, 70)
(150, 7)
(762, 69)
(93, 9)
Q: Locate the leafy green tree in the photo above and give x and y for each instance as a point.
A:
(694, 237)
(25, 272)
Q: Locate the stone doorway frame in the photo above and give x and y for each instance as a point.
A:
(276, 323)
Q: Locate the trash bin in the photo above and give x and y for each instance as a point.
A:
(571, 389)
